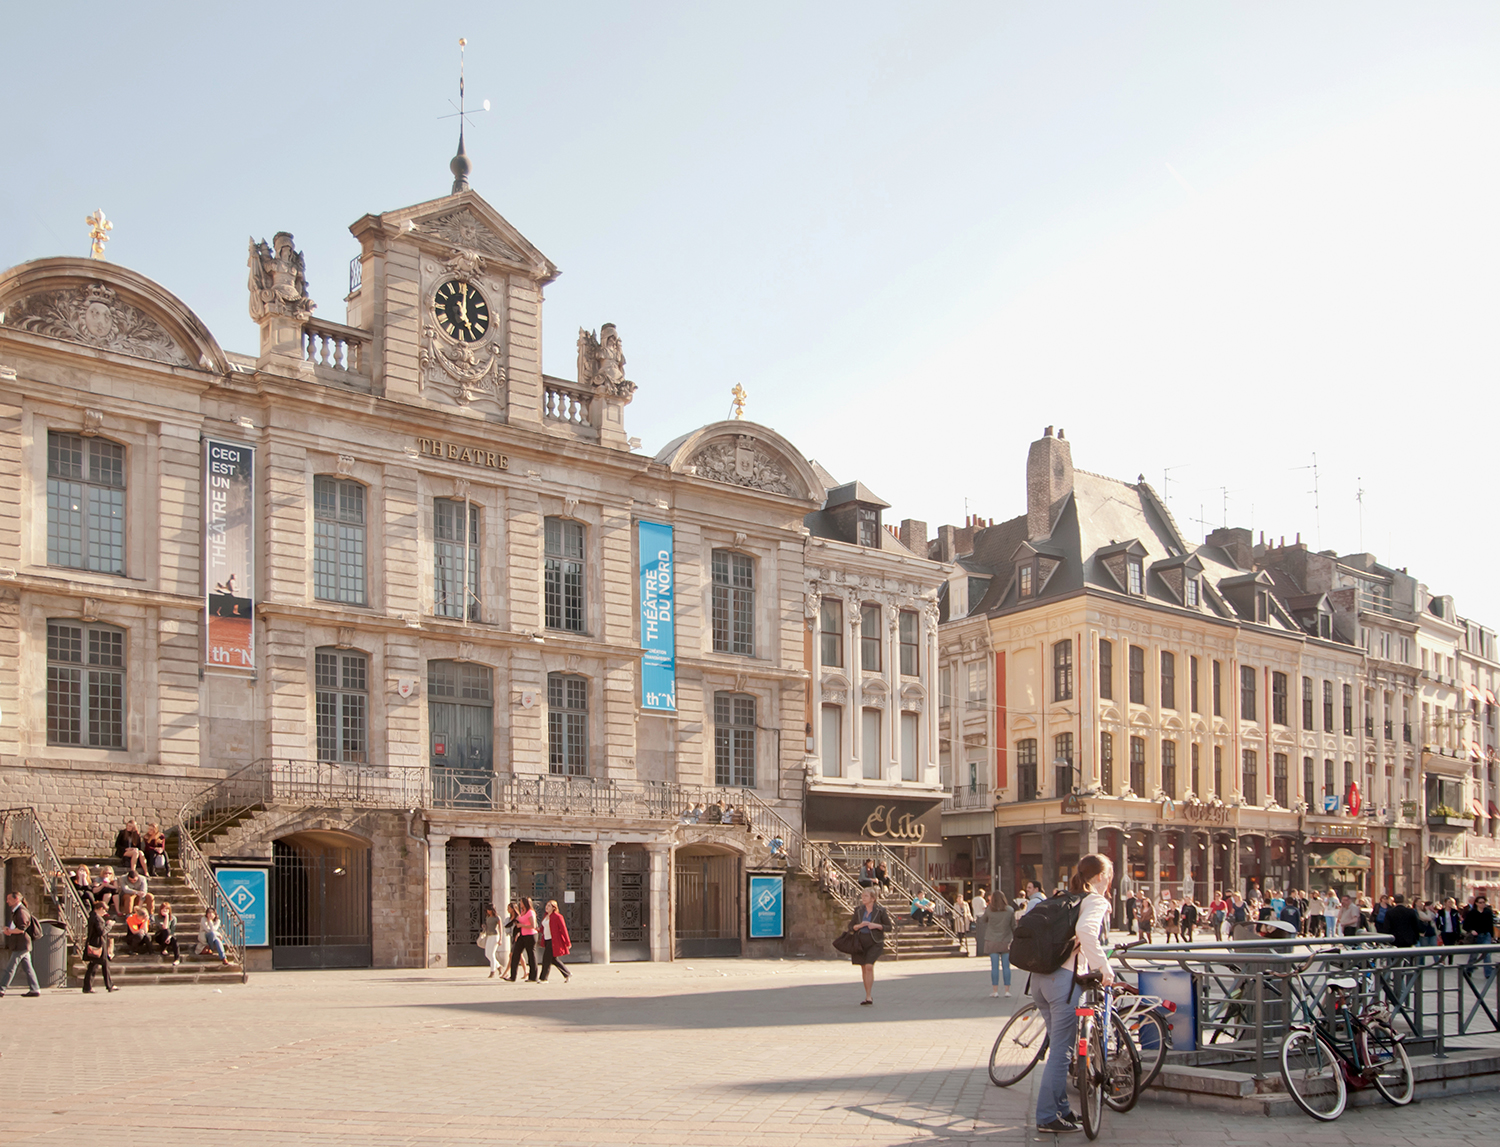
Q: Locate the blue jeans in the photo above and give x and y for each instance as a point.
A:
(997, 960)
(1056, 995)
(216, 944)
(1483, 938)
(20, 960)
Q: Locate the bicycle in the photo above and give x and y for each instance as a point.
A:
(1022, 1042)
(1103, 1076)
(1319, 1068)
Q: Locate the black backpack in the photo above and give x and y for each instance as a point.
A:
(1044, 937)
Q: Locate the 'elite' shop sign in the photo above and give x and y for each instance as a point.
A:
(883, 820)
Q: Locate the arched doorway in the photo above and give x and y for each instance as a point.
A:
(707, 917)
(320, 901)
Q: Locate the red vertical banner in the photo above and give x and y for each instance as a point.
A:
(228, 555)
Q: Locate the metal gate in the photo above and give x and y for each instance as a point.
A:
(549, 872)
(708, 904)
(320, 903)
(629, 912)
(470, 865)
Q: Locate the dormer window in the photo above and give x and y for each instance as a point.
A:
(1190, 593)
(1262, 606)
(1135, 583)
(869, 527)
(1027, 573)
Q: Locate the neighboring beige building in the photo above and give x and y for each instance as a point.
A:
(416, 682)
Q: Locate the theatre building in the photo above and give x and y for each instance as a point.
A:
(391, 616)
(1114, 687)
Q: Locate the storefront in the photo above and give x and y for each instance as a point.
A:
(892, 820)
(1337, 865)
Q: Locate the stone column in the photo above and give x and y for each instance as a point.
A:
(1208, 867)
(599, 902)
(500, 875)
(1234, 863)
(932, 678)
(660, 900)
(855, 726)
(1049, 862)
(437, 900)
(891, 770)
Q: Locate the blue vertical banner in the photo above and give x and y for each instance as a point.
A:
(765, 907)
(658, 580)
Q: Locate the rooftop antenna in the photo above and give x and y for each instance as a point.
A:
(460, 165)
(1166, 476)
(1202, 521)
(1317, 508)
(1224, 493)
(1359, 496)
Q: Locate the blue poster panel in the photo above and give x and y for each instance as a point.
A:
(659, 661)
(765, 907)
(248, 890)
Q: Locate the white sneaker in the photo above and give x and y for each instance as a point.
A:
(1007, 991)
(994, 993)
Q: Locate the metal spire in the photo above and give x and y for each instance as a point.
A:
(460, 165)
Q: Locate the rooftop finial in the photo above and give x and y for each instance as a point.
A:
(739, 394)
(99, 229)
(460, 165)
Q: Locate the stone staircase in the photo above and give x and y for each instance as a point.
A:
(149, 967)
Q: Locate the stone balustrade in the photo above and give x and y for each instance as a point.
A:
(566, 404)
(336, 351)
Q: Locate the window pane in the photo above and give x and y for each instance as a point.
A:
(563, 575)
(64, 523)
(106, 709)
(869, 639)
(831, 746)
(910, 631)
(338, 540)
(831, 632)
(871, 751)
(733, 603)
(85, 503)
(64, 705)
(909, 726)
(65, 456)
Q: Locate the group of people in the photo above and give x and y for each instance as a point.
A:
(524, 931)
(713, 813)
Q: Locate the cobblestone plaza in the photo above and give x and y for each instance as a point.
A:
(697, 1052)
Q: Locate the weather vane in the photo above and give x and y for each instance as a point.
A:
(99, 229)
(739, 394)
(460, 166)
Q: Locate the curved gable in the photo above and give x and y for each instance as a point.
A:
(107, 307)
(740, 453)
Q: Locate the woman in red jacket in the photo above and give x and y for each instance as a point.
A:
(555, 942)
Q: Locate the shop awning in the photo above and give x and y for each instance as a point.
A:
(1493, 810)
(1473, 694)
(1475, 752)
(1475, 807)
(1489, 698)
(1459, 862)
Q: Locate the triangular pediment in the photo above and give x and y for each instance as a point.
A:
(466, 223)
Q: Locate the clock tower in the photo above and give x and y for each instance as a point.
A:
(451, 294)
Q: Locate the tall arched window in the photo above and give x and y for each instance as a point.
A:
(85, 685)
(1026, 769)
(342, 701)
(85, 503)
(734, 740)
(1062, 670)
(338, 540)
(567, 725)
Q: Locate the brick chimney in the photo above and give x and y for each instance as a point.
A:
(1049, 479)
(913, 536)
(1236, 542)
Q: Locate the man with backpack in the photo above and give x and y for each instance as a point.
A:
(21, 929)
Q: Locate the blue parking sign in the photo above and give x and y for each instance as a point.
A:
(765, 907)
(248, 890)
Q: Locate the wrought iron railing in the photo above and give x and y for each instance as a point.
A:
(21, 831)
(904, 881)
(200, 878)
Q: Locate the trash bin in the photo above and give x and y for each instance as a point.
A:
(1177, 986)
(49, 955)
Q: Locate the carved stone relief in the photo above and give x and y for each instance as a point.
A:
(93, 422)
(742, 463)
(465, 372)
(601, 363)
(465, 230)
(94, 316)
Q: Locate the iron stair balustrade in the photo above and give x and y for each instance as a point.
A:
(21, 829)
(200, 878)
(904, 880)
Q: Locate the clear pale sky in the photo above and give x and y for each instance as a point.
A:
(1216, 238)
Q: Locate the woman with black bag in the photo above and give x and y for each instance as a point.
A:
(96, 949)
(869, 922)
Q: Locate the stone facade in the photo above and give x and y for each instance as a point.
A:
(389, 652)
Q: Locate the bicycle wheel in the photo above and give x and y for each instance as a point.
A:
(1122, 1078)
(1394, 1079)
(1153, 1039)
(1020, 1044)
(1089, 1072)
(1312, 1075)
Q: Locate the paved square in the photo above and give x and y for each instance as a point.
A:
(710, 1052)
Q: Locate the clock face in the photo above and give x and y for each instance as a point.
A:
(461, 311)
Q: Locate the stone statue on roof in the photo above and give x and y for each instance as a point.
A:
(278, 279)
(601, 362)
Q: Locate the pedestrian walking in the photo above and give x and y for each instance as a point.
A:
(994, 932)
(21, 929)
(1331, 914)
(555, 942)
(871, 918)
(1145, 917)
(1349, 917)
(524, 941)
(1056, 993)
(96, 950)
(1217, 909)
(1478, 923)
(1313, 920)
(1189, 918)
(489, 937)
(1170, 917)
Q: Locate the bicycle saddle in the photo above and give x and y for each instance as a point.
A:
(1344, 983)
